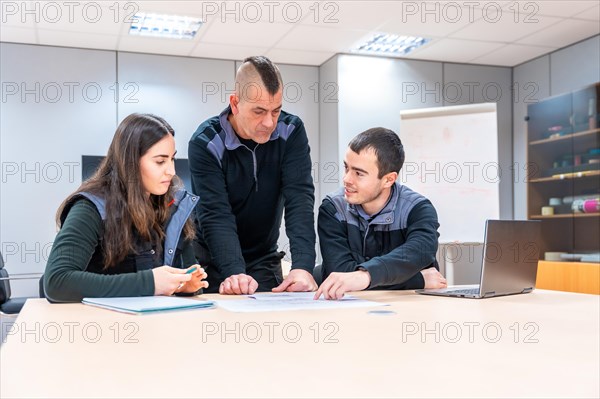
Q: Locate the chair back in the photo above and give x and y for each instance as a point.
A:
(41, 287)
(4, 282)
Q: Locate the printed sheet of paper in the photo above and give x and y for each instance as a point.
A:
(268, 302)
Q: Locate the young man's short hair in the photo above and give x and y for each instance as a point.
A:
(387, 147)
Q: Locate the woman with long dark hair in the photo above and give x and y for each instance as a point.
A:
(127, 230)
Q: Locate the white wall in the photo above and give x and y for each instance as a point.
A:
(44, 133)
(575, 66)
(184, 91)
(374, 90)
(327, 171)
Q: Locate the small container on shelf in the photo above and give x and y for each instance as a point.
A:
(558, 131)
(554, 256)
(593, 116)
(547, 210)
(586, 205)
(555, 201)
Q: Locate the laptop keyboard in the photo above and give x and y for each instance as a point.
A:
(466, 291)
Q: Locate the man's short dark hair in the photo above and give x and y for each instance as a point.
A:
(387, 147)
(268, 72)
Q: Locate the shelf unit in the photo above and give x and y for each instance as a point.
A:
(562, 133)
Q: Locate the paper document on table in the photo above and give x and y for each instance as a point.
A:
(268, 302)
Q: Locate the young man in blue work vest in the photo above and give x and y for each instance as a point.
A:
(374, 232)
(247, 165)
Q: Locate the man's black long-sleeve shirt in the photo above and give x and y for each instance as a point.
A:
(244, 189)
(394, 245)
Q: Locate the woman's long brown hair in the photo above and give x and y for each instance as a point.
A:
(118, 181)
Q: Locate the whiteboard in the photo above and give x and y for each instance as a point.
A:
(452, 159)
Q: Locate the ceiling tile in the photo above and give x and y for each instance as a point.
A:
(454, 50)
(592, 14)
(298, 57)
(82, 40)
(563, 33)
(434, 18)
(212, 50)
(365, 15)
(260, 34)
(512, 54)
(501, 27)
(437, 24)
(99, 20)
(15, 14)
(503, 4)
(322, 39)
(557, 8)
(284, 12)
(233, 11)
(183, 8)
(17, 35)
(153, 45)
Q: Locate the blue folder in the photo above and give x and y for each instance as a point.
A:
(147, 304)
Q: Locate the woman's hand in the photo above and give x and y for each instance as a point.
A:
(168, 280)
(195, 283)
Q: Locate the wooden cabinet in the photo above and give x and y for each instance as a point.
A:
(564, 166)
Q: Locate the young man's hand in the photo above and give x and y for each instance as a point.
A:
(433, 278)
(337, 284)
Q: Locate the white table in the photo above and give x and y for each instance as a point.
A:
(544, 344)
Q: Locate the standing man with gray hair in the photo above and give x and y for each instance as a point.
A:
(247, 165)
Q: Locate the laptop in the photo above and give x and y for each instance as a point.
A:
(509, 265)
